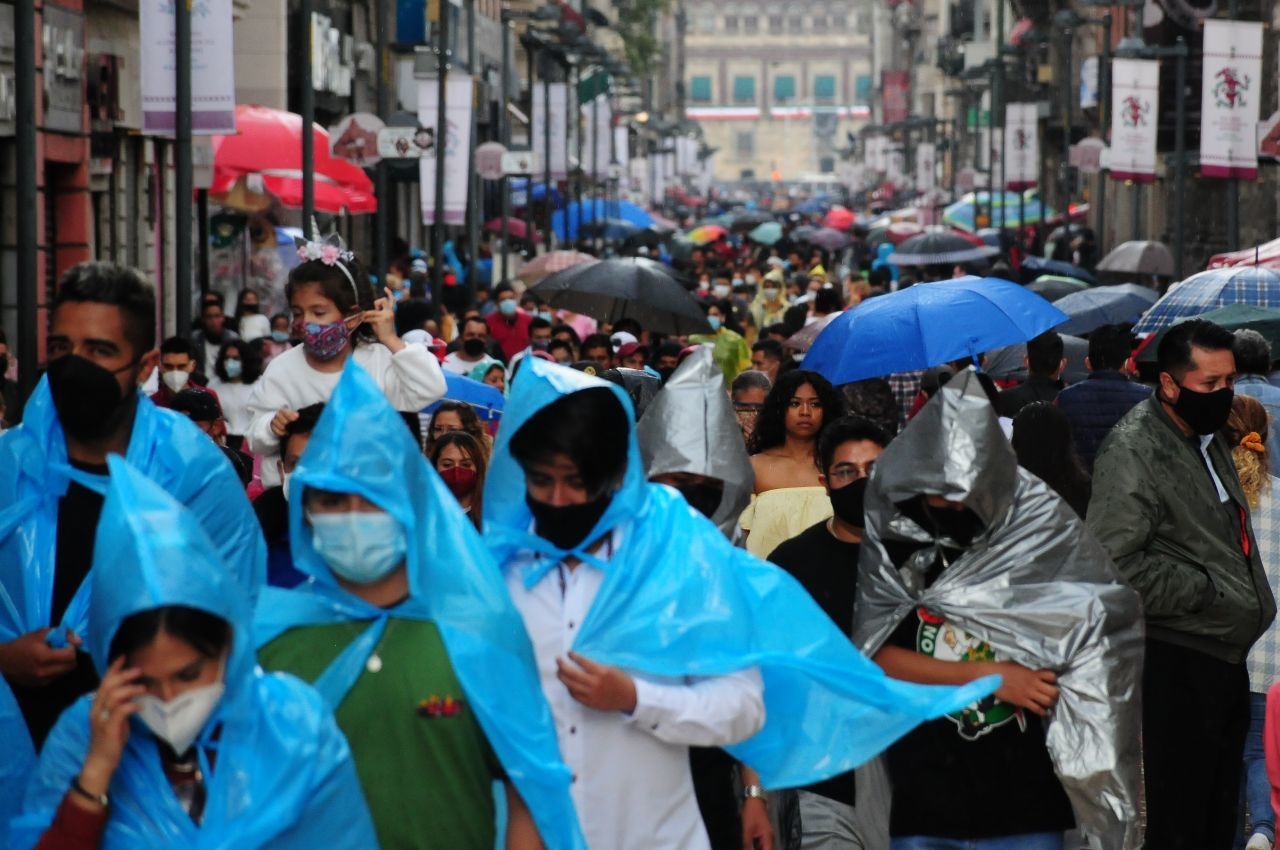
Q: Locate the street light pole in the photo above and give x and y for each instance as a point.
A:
(182, 189)
(307, 103)
(504, 130)
(441, 146)
(26, 268)
(382, 217)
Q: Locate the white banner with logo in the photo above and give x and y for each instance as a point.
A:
(926, 166)
(457, 147)
(559, 129)
(597, 136)
(1135, 106)
(213, 83)
(1022, 146)
(1231, 91)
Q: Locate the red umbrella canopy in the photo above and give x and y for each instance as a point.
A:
(517, 228)
(838, 218)
(266, 151)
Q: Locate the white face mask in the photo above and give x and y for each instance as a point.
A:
(178, 722)
(176, 380)
(721, 291)
(771, 294)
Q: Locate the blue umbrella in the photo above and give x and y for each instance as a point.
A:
(1090, 309)
(813, 206)
(1033, 267)
(565, 221)
(927, 325)
(612, 229)
(521, 185)
(486, 400)
(1211, 289)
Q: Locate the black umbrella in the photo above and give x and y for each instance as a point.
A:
(940, 248)
(829, 239)
(630, 288)
(1052, 287)
(750, 219)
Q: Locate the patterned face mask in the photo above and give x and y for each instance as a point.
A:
(325, 342)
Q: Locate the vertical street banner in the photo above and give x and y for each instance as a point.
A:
(457, 146)
(1135, 98)
(621, 148)
(895, 87)
(926, 167)
(1021, 146)
(213, 84)
(559, 111)
(1231, 91)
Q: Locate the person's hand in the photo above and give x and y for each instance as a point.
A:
(597, 686)
(31, 662)
(109, 725)
(382, 318)
(1034, 690)
(281, 421)
(757, 831)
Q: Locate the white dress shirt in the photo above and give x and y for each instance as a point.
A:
(631, 782)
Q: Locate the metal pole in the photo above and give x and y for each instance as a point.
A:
(28, 280)
(530, 241)
(1233, 185)
(546, 149)
(504, 129)
(475, 199)
(595, 158)
(577, 112)
(307, 103)
(441, 143)
(1066, 135)
(1180, 151)
(1104, 116)
(382, 217)
(182, 191)
(1135, 210)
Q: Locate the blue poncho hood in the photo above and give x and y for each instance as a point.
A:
(280, 773)
(702, 607)
(361, 445)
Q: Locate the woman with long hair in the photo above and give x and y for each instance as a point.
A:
(789, 497)
(1042, 441)
(456, 416)
(462, 461)
(234, 374)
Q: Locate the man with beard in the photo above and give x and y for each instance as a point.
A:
(53, 478)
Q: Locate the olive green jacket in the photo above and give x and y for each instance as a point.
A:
(1156, 510)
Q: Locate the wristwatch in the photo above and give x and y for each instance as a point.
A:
(755, 792)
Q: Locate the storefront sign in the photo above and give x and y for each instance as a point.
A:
(1231, 92)
(1135, 96)
(213, 84)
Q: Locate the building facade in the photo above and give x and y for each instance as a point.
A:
(777, 87)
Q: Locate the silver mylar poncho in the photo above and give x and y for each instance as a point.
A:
(1035, 585)
(690, 426)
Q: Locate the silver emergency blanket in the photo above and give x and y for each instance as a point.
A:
(1036, 586)
(690, 426)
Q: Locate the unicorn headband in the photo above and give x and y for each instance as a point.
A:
(331, 252)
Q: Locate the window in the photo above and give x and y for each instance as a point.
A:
(862, 90)
(784, 88)
(775, 23)
(839, 22)
(744, 89)
(700, 89)
(862, 23)
(750, 24)
(819, 23)
(795, 23)
(824, 87)
(744, 144)
(731, 23)
(827, 165)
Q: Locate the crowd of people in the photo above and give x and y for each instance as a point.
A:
(265, 584)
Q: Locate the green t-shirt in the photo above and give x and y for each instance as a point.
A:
(424, 763)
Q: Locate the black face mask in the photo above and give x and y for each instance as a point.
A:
(665, 373)
(249, 308)
(847, 501)
(703, 498)
(86, 396)
(960, 526)
(567, 526)
(473, 347)
(1206, 413)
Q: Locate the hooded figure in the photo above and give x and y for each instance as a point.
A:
(35, 474)
(882, 259)
(705, 608)
(1034, 585)
(360, 445)
(691, 428)
(277, 771)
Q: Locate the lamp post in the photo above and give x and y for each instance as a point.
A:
(1067, 19)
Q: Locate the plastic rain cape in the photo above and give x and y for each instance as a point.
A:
(691, 427)
(361, 445)
(679, 600)
(34, 475)
(1036, 586)
(281, 773)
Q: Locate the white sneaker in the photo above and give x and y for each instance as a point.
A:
(1258, 841)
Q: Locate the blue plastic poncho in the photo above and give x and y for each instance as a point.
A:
(882, 259)
(361, 445)
(34, 474)
(17, 757)
(281, 773)
(701, 607)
